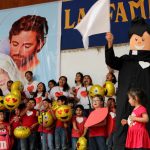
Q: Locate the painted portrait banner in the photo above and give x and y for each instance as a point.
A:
(30, 40)
(121, 14)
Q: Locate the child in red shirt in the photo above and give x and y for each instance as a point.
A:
(111, 104)
(47, 132)
(97, 133)
(61, 128)
(29, 119)
(4, 133)
(15, 122)
(78, 122)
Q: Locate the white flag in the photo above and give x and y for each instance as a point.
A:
(97, 20)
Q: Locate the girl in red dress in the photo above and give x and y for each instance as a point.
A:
(137, 136)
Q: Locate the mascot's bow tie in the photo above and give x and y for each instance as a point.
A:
(144, 64)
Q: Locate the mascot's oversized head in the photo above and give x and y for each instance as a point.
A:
(139, 34)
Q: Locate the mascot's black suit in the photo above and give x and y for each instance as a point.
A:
(134, 72)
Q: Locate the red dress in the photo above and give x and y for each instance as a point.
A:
(137, 136)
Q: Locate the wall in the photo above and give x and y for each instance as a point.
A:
(4, 4)
(91, 61)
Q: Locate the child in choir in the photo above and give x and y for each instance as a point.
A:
(111, 77)
(78, 122)
(82, 94)
(51, 84)
(78, 84)
(61, 128)
(62, 88)
(111, 104)
(97, 133)
(5, 142)
(39, 95)
(71, 103)
(137, 135)
(30, 120)
(15, 122)
(47, 132)
(31, 87)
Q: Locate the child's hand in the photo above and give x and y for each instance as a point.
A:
(132, 118)
(65, 125)
(77, 130)
(33, 126)
(82, 135)
(16, 119)
(123, 122)
(48, 128)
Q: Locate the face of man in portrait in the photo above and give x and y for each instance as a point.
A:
(24, 48)
(4, 77)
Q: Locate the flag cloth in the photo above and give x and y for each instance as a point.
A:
(97, 20)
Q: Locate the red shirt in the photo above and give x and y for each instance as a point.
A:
(46, 130)
(29, 118)
(97, 131)
(80, 126)
(59, 123)
(15, 123)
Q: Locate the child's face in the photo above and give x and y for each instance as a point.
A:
(1, 116)
(17, 111)
(9, 85)
(109, 103)
(70, 104)
(78, 78)
(40, 87)
(31, 104)
(62, 81)
(131, 100)
(79, 112)
(59, 102)
(87, 80)
(51, 85)
(45, 105)
(109, 77)
(28, 77)
(113, 104)
(96, 102)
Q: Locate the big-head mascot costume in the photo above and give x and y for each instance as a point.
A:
(134, 72)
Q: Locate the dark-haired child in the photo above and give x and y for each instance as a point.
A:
(78, 122)
(47, 132)
(29, 119)
(111, 104)
(39, 95)
(15, 122)
(4, 133)
(137, 136)
(61, 128)
(31, 86)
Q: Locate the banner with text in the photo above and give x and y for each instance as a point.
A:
(121, 14)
